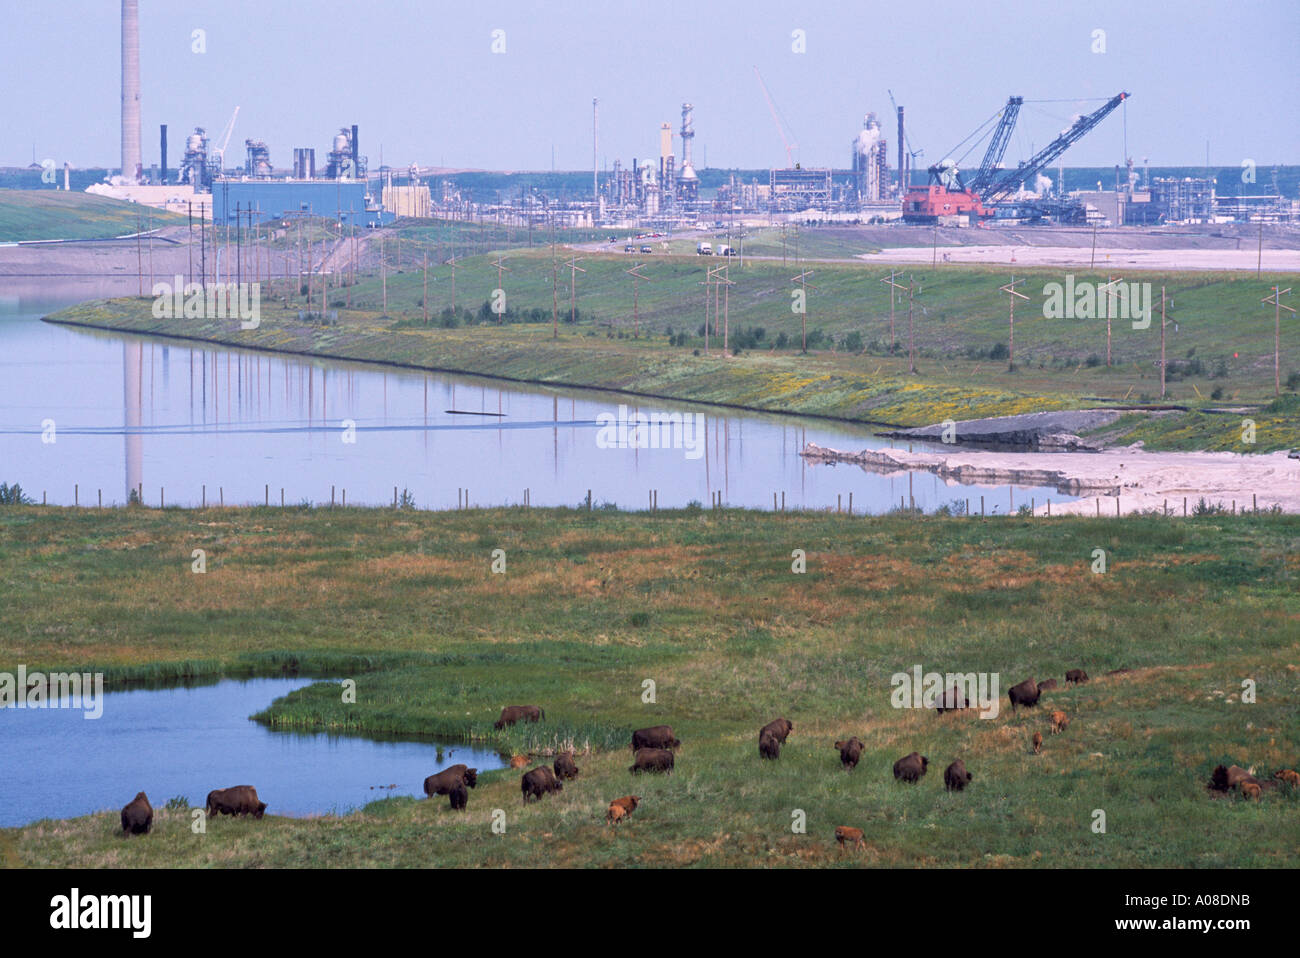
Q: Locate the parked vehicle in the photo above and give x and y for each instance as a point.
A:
(704, 249)
(726, 251)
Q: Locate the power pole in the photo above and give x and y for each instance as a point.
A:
(892, 287)
(452, 263)
(1012, 293)
(636, 275)
(911, 349)
(802, 280)
(501, 267)
(1276, 302)
(574, 270)
(1110, 309)
(1162, 342)
(425, 299)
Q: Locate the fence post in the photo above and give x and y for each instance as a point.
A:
(1117, 506)
(204, 498)
(850, 503)
(282, 497)
(76, 494)
(981, 506)
(588, 500)
(221, 494)
(394, 497)
(345, 498)
(1049, 507)
(1184, 507)
(1254, 504)
(161, 491)
(100, 493)
(266, 494)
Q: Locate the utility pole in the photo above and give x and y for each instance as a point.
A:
(425, 299)
(636, 275)
(1012, 293)
(1109, 287)
(1276, 302)
(574, 270)
(452, 263)
(501, 267)
(911, 349)
(189, 246)
(892, 287)
(1162, 342)
(802, 280)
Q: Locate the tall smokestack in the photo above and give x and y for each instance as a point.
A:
(356, 153)
(902, 157)
(163, 163)
(131, 143)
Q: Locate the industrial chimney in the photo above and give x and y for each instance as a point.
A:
(163, 149)
(132, 168)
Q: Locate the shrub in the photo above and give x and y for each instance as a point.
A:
(13, 495)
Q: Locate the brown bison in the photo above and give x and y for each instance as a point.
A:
(442, 783)
(236, 800)
(955, 776)
(910, 768)
(1251, 790)
(540, 781)
(518, 761)
(137, 816)
(621, 808)
(1075, 677)
(1226, 779)
(459, 798)
(952, 700)
(1059, 721)
(1290, 776)
(850, 752)
(781, 728)
(564, 766)
(514, 713)
(769, 746)
(847, 835)
(657, 736)
(652, 760)
(1046, 686)
(1038, 742)
(1026, 694)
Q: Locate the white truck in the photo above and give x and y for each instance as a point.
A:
(725, 251)
(704, 249)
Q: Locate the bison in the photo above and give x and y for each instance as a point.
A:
(1076, 677)
(1226, 779)
(621, 808)
(540, 781)
(781, 728)
(236, 800)
(1059, 721)
(1026, 694)
(952, 700)
(847, 835)
(1038, 742)
(137, 816)
(459, 798)
(1046, 686)
(657, 736)
(1251, 790)
(518, 761)
(1289, 776)
(442, 783)
(955, 776)
(564, 766)
(910, 768)
(652, 760)
(513, 713)
(850, 752)
(769, 745)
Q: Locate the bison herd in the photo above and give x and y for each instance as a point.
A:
(137, 814)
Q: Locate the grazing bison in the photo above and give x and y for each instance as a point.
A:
(564, 766)
(1075, 677)
(781, 728)
(443, 782)
(1046, 686)
(459, 797)
(657, 736)
(137, 816)
(1038, 742)
(1251, 790)
(1026, 694)
(1289, 776)
(952, 700)
(540, 781)
(652, 760)
(621, 808)
(1059, 721)
(236, 800)
(850, 752)
(1226, 779)
(518, 761)
(769, 746)
(847, 835)
(910, 768)
(955, 776)
(514, 713)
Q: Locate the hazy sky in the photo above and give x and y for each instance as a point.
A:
(420, 78)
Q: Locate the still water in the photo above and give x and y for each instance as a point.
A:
(89, 416)
(188, 741)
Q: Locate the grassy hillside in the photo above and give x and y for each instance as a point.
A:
(706, 605)
(54, 214)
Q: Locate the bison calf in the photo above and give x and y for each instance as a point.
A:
(1250, 790)
(952, 700)
(442, 783)
(911, 767)
(1289, 776)
(1026, 694)
(137, 816)
(539, 782)
(955, 776)
(1059, 721)
(514, 713)
(769, 746)
(459, 798)
(1038, 742)
(850, 752)
(564, 766)
(1075, 677)
(652, 760)
(847, 835)
(780, 728)
(657, 736)
(518, 761)
(236, 800)
(621, 808)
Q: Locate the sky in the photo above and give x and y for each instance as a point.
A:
(421, 79)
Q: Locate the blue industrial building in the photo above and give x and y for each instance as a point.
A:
(347, 201)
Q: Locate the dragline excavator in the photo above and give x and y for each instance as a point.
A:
(948, 194)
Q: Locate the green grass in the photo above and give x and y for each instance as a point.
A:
(54, 214)
(704, 603)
